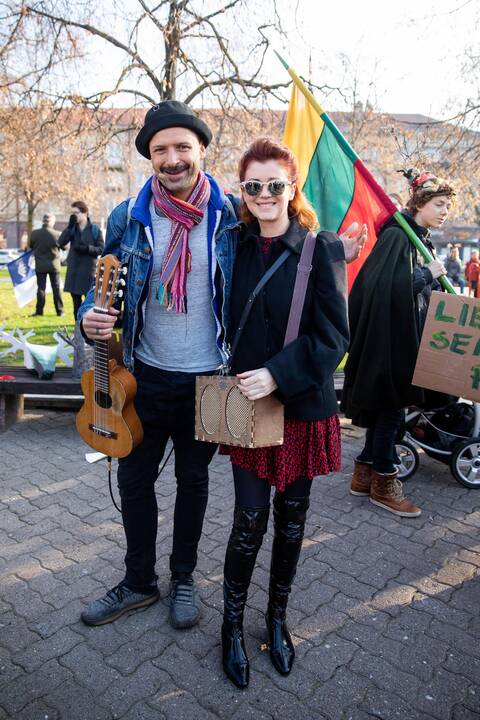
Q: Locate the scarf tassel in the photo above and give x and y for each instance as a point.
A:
(171, 300)
(161, 295)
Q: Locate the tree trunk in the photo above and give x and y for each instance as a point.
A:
(31, 206)
(172, 47)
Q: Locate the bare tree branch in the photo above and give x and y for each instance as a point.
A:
(101, 34)
(207, 18)
(178, 24)
(233, 81)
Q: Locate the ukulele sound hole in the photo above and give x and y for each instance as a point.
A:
(103, 399)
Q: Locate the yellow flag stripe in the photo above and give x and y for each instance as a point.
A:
(303, 128)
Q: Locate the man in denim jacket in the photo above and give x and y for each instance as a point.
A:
(172, 331)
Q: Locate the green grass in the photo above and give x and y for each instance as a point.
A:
(11, 316)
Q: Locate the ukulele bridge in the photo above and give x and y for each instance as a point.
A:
(103, 431)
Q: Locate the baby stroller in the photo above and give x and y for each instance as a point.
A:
(450, 434)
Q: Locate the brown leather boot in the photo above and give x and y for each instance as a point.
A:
(386, 491)
(361, 479)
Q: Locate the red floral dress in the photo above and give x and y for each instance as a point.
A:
(310, 447)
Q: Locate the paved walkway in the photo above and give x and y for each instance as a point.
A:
(385, 612)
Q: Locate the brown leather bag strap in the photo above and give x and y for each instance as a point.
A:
(304, 268)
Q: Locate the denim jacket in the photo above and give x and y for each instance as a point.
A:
(131, 240)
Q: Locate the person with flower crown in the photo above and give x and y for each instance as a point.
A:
(388, 305)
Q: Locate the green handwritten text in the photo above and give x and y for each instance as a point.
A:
(439, 337)
(439, 313)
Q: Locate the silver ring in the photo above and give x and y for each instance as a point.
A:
(97, 331)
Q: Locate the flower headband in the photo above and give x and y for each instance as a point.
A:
(422, 182)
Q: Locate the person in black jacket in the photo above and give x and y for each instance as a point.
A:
(44, 243)
(86, 244)
(454, 269)
(388, 305)
(278, 216)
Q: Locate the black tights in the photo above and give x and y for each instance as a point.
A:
(380, 441)
(252, 491)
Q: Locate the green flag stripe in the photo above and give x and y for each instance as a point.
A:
(346, 147)
(330, 181)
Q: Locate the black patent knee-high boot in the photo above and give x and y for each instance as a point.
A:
(249, 526)
(289, 522)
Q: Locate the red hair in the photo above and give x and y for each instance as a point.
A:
(262, 150)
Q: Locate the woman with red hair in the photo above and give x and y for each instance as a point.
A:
(276, 217)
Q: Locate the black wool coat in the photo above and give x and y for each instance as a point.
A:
(388, 303)
(304, 369)
(85, 247)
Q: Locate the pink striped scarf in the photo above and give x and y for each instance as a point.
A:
(177, 261)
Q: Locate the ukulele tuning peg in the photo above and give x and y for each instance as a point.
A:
(122, 282)
(119, 293)
(124, 270)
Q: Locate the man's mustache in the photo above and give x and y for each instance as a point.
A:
(173, 168)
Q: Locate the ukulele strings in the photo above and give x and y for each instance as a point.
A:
(105, 292)
(103, 361)
(96, 397)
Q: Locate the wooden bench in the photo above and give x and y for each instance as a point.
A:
(12, 392)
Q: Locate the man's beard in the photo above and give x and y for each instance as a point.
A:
(188, 179)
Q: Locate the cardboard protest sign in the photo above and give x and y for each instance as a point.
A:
(449, 356)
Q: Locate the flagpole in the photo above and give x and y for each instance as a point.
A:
(350, 152)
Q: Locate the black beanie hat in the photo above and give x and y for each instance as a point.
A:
(167, 114)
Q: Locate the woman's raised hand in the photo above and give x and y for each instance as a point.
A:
(354, 239)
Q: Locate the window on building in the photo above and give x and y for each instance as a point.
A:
(114, 155)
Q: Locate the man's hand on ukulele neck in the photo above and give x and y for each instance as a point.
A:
(99, 325)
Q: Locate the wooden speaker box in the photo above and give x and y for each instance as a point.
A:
(224, 415)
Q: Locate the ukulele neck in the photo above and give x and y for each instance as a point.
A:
(100, 366)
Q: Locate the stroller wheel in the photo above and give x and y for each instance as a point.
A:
(465, 463)
(409, 459)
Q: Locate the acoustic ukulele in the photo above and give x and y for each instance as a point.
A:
(107, 421)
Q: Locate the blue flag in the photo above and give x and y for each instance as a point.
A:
(24, 279)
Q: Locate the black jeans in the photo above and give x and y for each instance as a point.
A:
(42, 284)
(254, 492)
(165, 403)
(380, 441)
(77, 301)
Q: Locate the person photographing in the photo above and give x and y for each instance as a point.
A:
(86, 244)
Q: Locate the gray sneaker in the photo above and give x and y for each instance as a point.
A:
(184, 606)
(115, 603)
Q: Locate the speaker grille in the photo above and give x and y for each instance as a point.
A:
(237, 412)
(210, 410)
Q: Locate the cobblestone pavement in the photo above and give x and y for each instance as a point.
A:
(385, 612)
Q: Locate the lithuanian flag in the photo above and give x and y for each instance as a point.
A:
(334, 179)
